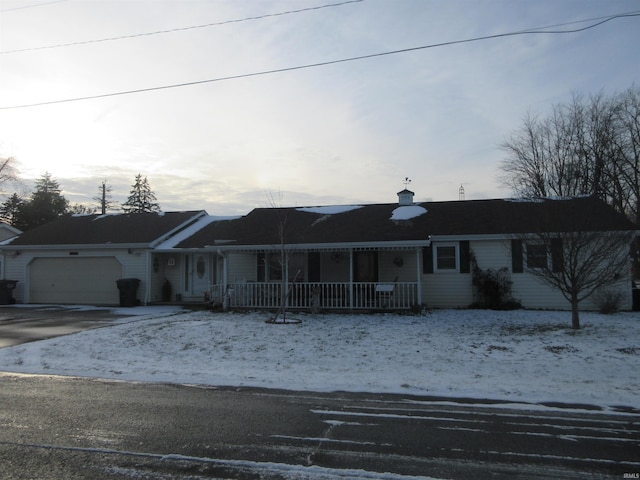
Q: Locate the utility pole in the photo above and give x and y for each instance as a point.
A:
(103, 202)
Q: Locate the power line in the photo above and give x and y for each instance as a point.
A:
(179, 29)
(31, 6)
(329, 62)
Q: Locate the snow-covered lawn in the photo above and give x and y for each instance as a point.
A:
(530, 356)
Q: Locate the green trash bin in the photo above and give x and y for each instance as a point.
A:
(6, 291)
(128, 288)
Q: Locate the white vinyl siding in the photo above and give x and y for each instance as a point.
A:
(133, 264)
(441, 290)
(242, 267)
(399, 264)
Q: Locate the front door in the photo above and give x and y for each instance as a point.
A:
(199, 274)
(365, 266)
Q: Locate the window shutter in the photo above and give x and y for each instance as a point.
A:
(516, 256)
(465, 259)
(427, 259)
(557, 257)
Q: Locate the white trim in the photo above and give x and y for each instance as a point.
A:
(456, 247)
(291, 247)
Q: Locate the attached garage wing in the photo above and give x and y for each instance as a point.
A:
(88, 281)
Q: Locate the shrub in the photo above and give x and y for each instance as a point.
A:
(608, 301)
(492, 288)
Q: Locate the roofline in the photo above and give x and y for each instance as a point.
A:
(11, 228)
(78, 246)
(167, 235)
(509, 236)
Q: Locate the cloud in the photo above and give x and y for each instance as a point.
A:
(345, 133)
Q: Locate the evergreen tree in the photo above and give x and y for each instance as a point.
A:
(45, 204)
(141, 198)
(10, 208)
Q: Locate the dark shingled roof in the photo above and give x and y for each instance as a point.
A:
(138, 228)
(373, 223)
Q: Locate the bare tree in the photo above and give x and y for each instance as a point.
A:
(7, 172)
(104, 199)
(628, 147)
(589, 146)
(286, 283)
(578, 263)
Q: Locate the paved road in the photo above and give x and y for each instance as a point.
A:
(21, 324)
(71, 428)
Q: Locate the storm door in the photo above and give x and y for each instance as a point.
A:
(198, 274)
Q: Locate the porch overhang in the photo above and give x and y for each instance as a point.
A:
(318, 247)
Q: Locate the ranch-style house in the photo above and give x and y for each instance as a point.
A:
(358, 257)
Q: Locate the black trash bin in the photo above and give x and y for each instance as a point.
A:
(6, 291)
(128, 291)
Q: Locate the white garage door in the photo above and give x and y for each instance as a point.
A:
(88, 281)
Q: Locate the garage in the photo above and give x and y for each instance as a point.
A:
(88, 280)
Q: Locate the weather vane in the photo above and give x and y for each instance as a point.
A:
(406, 182)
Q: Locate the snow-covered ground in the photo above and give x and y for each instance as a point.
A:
(523, 356)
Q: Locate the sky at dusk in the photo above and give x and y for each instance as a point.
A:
(244, 126)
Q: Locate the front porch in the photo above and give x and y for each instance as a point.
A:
(318, 295)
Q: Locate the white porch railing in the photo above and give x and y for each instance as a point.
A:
(323, 295)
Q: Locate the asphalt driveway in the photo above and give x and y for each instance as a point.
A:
(22, 324)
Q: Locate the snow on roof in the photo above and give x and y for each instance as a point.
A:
(329, 209)
(105, 215)
(191, 230)
(408, 212)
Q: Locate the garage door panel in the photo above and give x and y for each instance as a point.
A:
(74, 280)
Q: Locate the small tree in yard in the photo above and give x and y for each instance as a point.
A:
(141, 198)
(280, 220)
(579, 263)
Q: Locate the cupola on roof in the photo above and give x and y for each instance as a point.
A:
(405, 197)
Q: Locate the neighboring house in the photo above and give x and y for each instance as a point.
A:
(7, 231)
(78, 259)
(379, 256)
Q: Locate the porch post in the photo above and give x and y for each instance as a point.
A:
(285, 300)
(419, 274)
(225, 297)
(351, 278)
(147, 289)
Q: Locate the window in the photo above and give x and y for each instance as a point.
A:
(270, 268)
(274, 266)
(261, 272)
(537, 256)
(446, 257)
